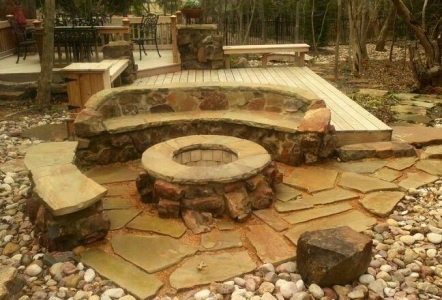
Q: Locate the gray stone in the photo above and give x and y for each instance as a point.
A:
(158, 225)
(126, 275)
(113, 173)
(151, 253)
(270, 246)
(285, 193)
(271, 219)
(120, 217)
(311, 179)
(205, 268)
(217, 240)
(333, 256)
(367, 166)
(381, 203)
(315, 213)
(353, 219)
(431, 166)
(364, 184)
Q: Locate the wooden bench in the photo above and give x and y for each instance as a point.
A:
(265, 50)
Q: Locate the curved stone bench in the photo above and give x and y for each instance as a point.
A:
(292, 124)
(66, 205)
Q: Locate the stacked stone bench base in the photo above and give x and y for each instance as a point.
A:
(66, 205)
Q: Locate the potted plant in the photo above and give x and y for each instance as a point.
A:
(191, 9)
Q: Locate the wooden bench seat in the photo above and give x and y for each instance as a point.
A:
(265, 50)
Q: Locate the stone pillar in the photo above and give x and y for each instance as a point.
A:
(199, 47)
(122, 49)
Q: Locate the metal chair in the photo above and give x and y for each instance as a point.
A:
(24, 37)
(148, 32)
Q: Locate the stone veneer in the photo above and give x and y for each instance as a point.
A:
(217, 174)
(118, 125)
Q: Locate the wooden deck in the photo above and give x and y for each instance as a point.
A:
(353, 123)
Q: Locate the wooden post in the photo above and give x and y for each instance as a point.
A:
(173, 28)
(39, 37)
(126, 22)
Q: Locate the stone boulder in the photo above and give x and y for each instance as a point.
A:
(333, 256)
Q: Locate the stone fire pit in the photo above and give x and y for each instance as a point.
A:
(208, 174)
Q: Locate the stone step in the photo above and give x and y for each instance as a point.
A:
(417, 135)
(375, 150)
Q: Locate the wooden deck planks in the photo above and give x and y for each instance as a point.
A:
(347, 116)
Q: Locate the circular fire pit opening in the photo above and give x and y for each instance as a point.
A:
(208, 173)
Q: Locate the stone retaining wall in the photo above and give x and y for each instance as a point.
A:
(118, 125)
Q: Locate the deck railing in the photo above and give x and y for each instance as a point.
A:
(7, 42)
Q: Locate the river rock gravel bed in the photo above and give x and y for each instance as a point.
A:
(406, 263)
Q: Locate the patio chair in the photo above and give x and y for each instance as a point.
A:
(24, 37)
(148, 32)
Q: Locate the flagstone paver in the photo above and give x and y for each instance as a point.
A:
(294, 205)
(402, 163)
(432, 152)
(417, 134)
(270, 246)
(331, 196)
(46, 132)
(173, 228)
(367, 166)
(311, 179)
(112, 173)
(151, 253)
(126, 275)
(381, 203)
(417, 179)
(316, 213)
(353, 219)
(424, 104)
(271, 219)
(417, 119)
(286, 193)
(116, 203)
(387, 174)
(50, 154)
(365, 184)
(120, 217)
(409, 109)
(225, 225)
(120, 190)
(206, 268)
(219, 240)
(431, 166)
(380, 150)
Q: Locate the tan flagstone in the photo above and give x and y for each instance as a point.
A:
(294, 205)
(206, 268)
(271, 219)
(316, 213)
(432, 166)
(286, 193)
(113, 173)
(432, 152)
(120, 190)
(417, 134)
(402, 163)
(365, 184)
(417, 179)
(367, 166)
(173, 228)
(116, 203)
(124, 274)
(387, 174)
(120, 217)
(269, 245)
(311, 179)
(225, 225)
(219, 240)
(330, 196)
(353, 219)
(381, 203)
(50, 154)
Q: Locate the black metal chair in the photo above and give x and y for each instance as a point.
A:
(24, 37)
(148, 32)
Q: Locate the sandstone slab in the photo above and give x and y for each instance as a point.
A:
(311, 179)
(401, 164)
(225, 225)
(50, 154)
(415, 135)
(151, 253)
(47, 132)
(270, 246)
(116, 203)
(120, 217)
(285, 193)
(219, 240)
(432, 152)
(120, 190)
(365, 184)
(431, 166)
(367, 166)
(372, 92)
(316, 213)
(294, 205)
(331, 196)
(336, 256)
(126, 275)
(271, 219)
(354, 219)
(381, 203)
(169, 227)
(387, 174)
(409, 110)
(375, 150)
(415, 119)
(205, 268)
(416, 180)
(113, 173)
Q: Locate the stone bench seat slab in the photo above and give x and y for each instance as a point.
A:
(285, 123)
(50, 154)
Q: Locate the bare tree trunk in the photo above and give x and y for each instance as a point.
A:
(354, 41)
(380, 44)
(312, 24)
(47, 60)
(338, 39)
